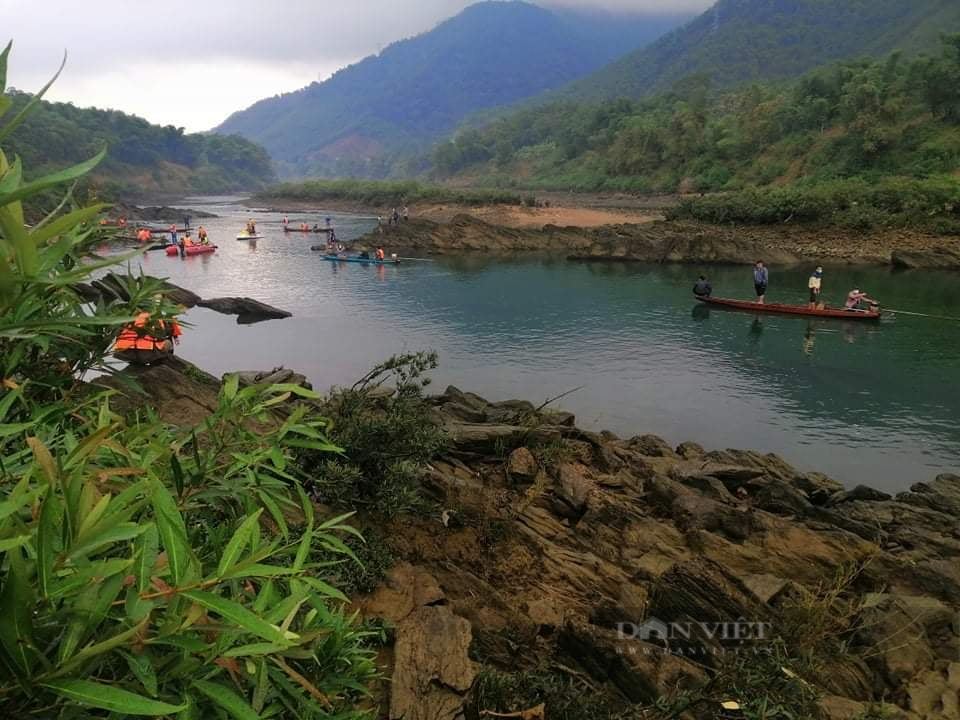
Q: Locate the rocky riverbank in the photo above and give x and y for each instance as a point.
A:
(673, 241)
(607, 565)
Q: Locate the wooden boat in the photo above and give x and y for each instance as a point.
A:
(357, 259)
(247, 236)
(837, 313)
(287, 228)
(191, 249)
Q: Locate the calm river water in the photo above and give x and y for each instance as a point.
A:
(871, 403)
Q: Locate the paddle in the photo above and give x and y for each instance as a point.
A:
(934, 317)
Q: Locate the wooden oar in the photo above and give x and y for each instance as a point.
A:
(925, 315)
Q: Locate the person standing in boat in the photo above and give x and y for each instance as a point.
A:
(702, 288)
(760, 279)
(173, 234)
(285, 222)
(815, 285)
(380, 255)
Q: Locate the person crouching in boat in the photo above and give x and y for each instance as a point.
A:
(702, 287)
(147, 340)
(379, 254)
(202, 235)
(856, 299)
(815, 284)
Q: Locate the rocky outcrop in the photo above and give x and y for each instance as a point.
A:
(595, 534)
(248, 311)
(942, 257)
(432, 670)
(111, 288)
(672, 241)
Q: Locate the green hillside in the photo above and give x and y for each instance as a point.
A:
(747, 40)
(841, 128)
(142, 159)
(367, 116)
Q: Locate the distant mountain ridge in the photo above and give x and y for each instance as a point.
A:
(743, 40)
(416, 90)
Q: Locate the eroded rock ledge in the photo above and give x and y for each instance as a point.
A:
(550, 537)
(675, 242)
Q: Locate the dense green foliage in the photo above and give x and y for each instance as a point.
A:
(148, 570)
(747, 40)
(385, 193)
(141, 158)
(390, 436)
(866, 119)
(364, 118)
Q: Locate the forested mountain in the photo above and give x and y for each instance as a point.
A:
(861, 120)
(745, 40)
(492, 54)
(142, 159)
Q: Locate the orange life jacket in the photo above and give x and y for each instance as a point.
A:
(134, 336)
(380, 254)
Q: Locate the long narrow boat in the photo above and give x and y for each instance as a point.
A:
(307, 230)
(246, 236)
(356, 259)
(791, 309)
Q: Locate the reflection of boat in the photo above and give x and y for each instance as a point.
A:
(248, 236)
(358, 259)
(191, 249)
(791, 309)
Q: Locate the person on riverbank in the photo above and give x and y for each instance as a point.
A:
(702, 287)
(856, 298)
(406, 213)
(815, 284)
(760, 279)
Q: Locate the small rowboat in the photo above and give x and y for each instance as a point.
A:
(790, 309)
(247, 236)
(357, 259)
(191, 249)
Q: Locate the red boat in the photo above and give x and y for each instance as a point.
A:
(191, 249)
(791, 309)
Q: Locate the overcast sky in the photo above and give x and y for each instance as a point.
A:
(192, 63)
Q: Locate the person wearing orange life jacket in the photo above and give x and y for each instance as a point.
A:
(379, 255)
(147, 340)
(202, 235)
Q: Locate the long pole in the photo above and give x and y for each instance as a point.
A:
(934, 317)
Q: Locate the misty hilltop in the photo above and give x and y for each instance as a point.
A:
(417, 90)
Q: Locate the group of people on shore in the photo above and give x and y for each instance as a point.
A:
(394, 218)
(856, 299)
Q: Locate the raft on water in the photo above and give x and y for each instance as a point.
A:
(247, 236)
(191, 249)
(751, 306)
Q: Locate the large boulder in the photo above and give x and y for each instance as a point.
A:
(247, 310)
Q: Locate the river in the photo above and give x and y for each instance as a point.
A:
(873, 403)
